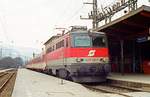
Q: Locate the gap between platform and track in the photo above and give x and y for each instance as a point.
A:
(107, 88)
(131, 85)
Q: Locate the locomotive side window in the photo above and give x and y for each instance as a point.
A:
(49, 50)
(67, 42)
(53, 48)
(60, 44)
(99, 41)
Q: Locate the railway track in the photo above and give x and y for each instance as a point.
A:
(106, 88)
(7, 80)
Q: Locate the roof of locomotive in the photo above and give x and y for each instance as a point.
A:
(75, 29)
(52, 38)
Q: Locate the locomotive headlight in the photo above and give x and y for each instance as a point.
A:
(101, 59)
(106, 60)
(79, 59)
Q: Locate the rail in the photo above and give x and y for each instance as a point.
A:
(5, 82)
(6, 78)
(111, 89)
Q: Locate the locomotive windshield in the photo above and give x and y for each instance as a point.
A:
(86, 40)
(82, 41)
(99, 41)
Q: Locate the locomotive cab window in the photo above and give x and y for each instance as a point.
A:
(82, 41)
(99, 41)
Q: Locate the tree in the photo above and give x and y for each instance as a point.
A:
(8, 62)
(18, 61)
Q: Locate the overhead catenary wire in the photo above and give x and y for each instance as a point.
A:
(64, 11)
(75, 14)
(72, 16)
(101, 4)
(3, 25)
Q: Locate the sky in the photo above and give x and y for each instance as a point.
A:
(29, 23)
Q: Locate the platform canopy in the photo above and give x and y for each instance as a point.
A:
(132, 25)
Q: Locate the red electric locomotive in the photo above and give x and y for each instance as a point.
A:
(78, 55)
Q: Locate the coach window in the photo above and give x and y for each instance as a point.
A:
(66, 42)
(49, 50)
(53, 48)
(57, 45)
(62, 43)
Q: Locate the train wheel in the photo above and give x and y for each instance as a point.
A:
(62, 73)
(57, 73)
(70, 78)
(50, 72)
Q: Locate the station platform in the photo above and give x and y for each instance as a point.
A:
(33, 84)
(137, 81)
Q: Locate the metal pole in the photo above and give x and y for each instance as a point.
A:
(140, 56)
(93, 15)
(134, 58)
(62, 81)
(95, 23)
(122, 56)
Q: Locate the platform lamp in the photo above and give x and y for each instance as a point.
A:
(62, 76)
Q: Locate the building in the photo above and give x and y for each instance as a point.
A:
(129, 41)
